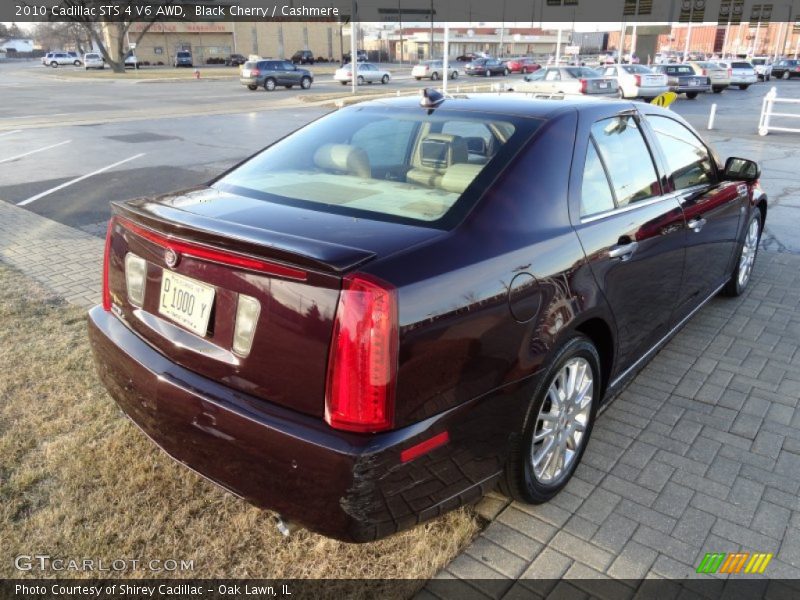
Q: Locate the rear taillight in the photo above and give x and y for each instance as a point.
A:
(135, 278)
(638, 80)
(362, 366)
(730, 72)
(247, 312)
(584, 86)
(705, 72)
(107, 265)
(797, 69)
(255, 73)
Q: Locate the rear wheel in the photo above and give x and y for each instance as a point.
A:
(718, 90)
(252, 88)
(417, 78)
(454, 75)
(743, 87)
(54, 64)
(305, 83)
(786, 75)
(743, 268)
(344, 82)
(488, 73)
(77, 63)
(269, 84)
(434, 76)
(505, 72)
(544, 455)
(691, 95)
(360, 80)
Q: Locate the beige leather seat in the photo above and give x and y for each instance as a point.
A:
(435, 154)
(457, 177)
(343, 158)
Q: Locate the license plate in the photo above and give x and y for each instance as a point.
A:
(186, 301)
(245, 72)
(603, 85)
(693, 83)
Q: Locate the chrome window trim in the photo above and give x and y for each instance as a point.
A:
(632, 206)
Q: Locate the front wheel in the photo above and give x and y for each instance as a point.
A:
(544, 455)
(786, 75)
(385, 79)
(54, 64)
(488, 73)
(305, 83)
(743, 268)
(505, 72)
(691, 95)
(454, 75)
(252, 88)
(360, 80)
(434, 76)
(743, 87)
(77, 63)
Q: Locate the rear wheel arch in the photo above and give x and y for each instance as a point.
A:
(761, 205)
(599, 332)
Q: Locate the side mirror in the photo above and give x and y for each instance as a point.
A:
(741, 169)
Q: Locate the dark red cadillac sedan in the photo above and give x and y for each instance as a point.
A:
(383, 315)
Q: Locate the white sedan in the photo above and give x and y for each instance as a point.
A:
(367, 73)
(433, 70)
(637, 81)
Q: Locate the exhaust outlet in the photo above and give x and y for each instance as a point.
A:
(285, 526)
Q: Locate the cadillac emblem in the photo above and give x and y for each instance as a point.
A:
(171, 257)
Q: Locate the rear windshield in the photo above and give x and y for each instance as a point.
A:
(184, 54)
(583, 72)
(759, 61)
(636, 69)
(401, 165)
(741, 65)
(250, 64)
(92, 56)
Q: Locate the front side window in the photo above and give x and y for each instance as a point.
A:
(552, 75)
(688, 160)
(383, 163)
(627, 158)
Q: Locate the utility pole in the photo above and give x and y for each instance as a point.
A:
(430, 50)
(400, 13)
(353, 50)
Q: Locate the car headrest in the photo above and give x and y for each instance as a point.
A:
(344, 158)
(458, 177)
(440, 150)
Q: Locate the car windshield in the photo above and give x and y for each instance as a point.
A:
(636, 69)
(402, 165)
(741, 65)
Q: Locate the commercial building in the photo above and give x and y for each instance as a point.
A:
(210, 41)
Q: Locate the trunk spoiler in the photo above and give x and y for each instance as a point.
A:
(258, 242)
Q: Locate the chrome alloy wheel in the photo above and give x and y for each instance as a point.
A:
(561, 425)
(748, 257)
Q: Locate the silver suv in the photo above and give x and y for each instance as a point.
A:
(54, 59)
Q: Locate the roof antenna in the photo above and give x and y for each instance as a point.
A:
(430, 98)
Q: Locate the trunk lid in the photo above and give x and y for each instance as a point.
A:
(217, 237)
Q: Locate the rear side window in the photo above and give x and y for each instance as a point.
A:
(688, 159)
(627, 158)
(595, 193)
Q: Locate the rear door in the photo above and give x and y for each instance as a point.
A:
(712, 208)
(631, 232)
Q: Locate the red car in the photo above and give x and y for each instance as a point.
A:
(522, 65)
(381, 316)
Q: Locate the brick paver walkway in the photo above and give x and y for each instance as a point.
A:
(701, 453)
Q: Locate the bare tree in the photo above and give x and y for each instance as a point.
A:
(113, 47)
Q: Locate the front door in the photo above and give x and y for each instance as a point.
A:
(632, 234)
(712, 208)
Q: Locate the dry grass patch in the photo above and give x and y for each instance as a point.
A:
(78, 480)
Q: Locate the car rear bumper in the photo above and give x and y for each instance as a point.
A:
(348, 486)
(744, 80)
(684, 89)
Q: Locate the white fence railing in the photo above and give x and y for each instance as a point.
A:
(768, 112)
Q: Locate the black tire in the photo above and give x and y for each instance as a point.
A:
(718, 90)
(385, 79)
(360, 80)
(518, 480)
(252, 88)
(786, 75)
(305, 83)
(505, 72)
(417, 78)
(769, 77)
(524, 71)
(54, 64)
(743, 87)
(269, 84)
(691, 95)
(454, 75)
(77, 63)
(488, 73)
(434, 76)
(736, 286)
(288, 87)
(345, 82)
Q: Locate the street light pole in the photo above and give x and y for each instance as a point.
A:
(353, 52)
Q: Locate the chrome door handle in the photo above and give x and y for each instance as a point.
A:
(696, 224)
(624, 251)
